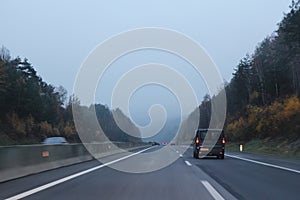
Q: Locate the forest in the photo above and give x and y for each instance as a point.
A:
(263, 95)
(32, 110)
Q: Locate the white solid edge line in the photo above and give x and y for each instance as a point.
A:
(212, 190)
(188, 163)
(265, 164)
(59, 181)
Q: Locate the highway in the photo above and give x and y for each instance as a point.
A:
(238, 176)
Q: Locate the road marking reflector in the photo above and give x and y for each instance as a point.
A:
(59, 181)
(212, 190)
(265, 164)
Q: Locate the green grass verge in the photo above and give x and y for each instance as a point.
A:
(274, 147)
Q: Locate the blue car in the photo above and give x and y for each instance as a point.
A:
(55, 140)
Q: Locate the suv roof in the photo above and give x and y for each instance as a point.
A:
(209, 129)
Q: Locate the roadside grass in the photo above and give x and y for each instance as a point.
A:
(274, 147)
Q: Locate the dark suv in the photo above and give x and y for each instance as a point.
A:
(209, 142)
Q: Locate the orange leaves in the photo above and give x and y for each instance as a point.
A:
(236, 129)
(16, 123)
(274, 120)
(291, 108)
(46, 129)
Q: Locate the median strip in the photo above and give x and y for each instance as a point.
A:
(265, 164)
(59, 181)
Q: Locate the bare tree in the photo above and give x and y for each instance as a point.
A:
(4, 54)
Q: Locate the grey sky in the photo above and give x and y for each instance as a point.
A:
(57, 35)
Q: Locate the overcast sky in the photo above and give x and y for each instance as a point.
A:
(57, 35)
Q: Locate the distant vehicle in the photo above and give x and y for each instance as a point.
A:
(172, 143)
(55, 140)
(209, 142)
(164, 143)
(154, 143)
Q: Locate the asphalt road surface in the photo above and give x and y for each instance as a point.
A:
(238, 176)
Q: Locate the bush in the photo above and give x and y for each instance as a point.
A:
(280, 119)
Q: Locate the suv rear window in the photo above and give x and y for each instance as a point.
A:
(209, 135)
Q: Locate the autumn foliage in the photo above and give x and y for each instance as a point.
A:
(280, 119)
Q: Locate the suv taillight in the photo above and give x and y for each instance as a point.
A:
(223, 141)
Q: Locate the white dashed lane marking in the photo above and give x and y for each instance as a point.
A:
(212, 190)
(188, 163)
